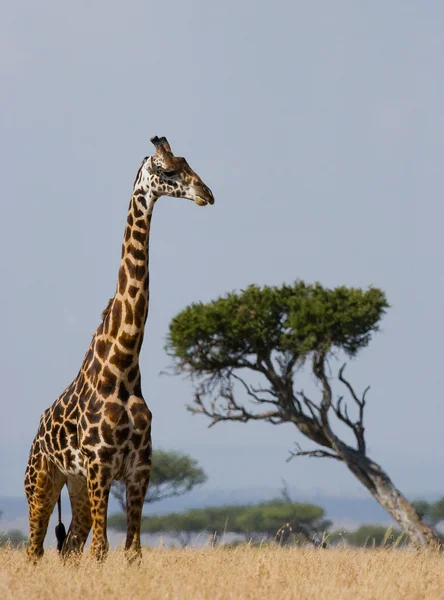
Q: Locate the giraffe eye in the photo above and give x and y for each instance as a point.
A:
(170, 173)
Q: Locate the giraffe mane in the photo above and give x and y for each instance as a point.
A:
(107, 310)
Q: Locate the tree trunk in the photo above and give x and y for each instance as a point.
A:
(379, 484)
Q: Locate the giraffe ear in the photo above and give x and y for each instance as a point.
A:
(162, 145)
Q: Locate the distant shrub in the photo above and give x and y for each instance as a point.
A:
(14, 538)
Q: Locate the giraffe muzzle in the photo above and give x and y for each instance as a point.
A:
(204, 197)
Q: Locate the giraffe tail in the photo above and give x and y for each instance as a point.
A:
(60, 530)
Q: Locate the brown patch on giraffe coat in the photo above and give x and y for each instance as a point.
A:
(122, 435)
(141, 237)
(107, 383)
(123, 392)
(128, 341)
(95, 369)
(105, 476)
(95, 403)
(141, 224)
(142, 416)
(123, 280)
(132, 291)
(137, 390)
(93, 417)
(92, 437)
(106, 453)
(136, 439)
(138, 212)
(121, 360)
(71, 427)
(107, 433)
(58, 413)
(132, 269)
(102, 348)
(116, 317)
(129, 315)
(69, 459)
(140, 311)
(63, 437)
(79, 384)
(116, 413)
(132, 374)
(145, 454)
(136, 253)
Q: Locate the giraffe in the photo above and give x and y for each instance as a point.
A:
(99, 428)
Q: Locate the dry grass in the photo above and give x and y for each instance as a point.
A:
(264, 573)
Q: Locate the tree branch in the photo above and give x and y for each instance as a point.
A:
(232, 411)
(252, 393)
(326, 402)
(358, 426)
(312, 454)
(312, 407)
(260, 390)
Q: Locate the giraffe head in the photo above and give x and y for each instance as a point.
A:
(169, 175)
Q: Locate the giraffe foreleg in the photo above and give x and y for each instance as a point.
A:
(43, 484)
(99, 483)
(136, 481)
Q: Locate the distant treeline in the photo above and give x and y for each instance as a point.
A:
(260, 523)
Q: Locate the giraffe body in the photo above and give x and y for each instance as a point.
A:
(99, 429)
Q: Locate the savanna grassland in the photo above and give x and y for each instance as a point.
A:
(265, 573)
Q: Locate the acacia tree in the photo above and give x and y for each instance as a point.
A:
(274, 334)
(172, 474)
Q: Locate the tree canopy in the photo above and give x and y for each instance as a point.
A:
(247, 329)
(172, 474)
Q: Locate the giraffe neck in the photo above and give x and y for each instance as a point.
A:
(132, 295)
(112, 362)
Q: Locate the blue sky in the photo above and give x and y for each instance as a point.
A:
(319, 128)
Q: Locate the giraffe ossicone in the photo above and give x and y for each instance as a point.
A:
(99, 428)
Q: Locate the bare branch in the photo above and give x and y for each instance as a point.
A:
(231, 410)
(312, 454)
(259, 390)
(347, 383)
(342, 415)
(251, 392)
(312, 407)
(358, 426)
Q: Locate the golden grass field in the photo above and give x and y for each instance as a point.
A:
(265, 573)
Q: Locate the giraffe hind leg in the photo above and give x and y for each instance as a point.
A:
(43, 483)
